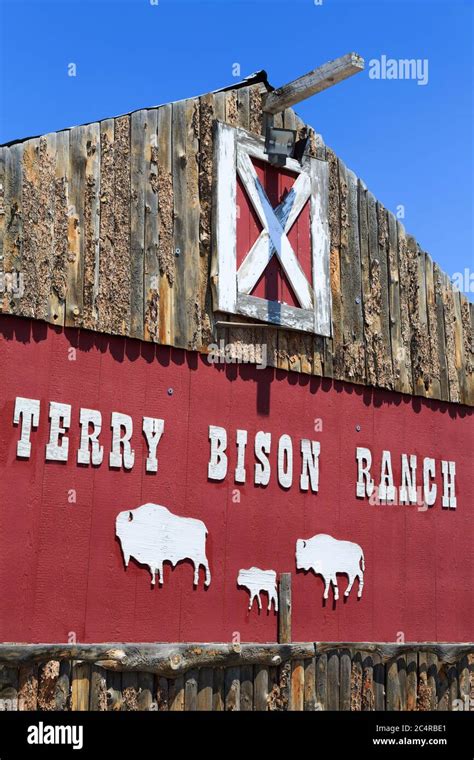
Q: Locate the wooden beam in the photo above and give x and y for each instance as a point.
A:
(448, 653)
(284, 606)
(162, 659)
(315, 81)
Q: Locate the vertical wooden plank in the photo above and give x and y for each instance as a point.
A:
(76, 197)
(9, 688)
(351, 279)
(145, 691)
(432, 662)
(98, 690)
(403, 680)
(297, 685)
(106, 224)
(255, 109)
(243, 107)
(91, 231)
(139, 143)
(130, 691)
(379, 683)
(464, 682)
(3, 158)
(114, 691)
(453, 686)
(385, 368)
(452, 342)
(151, 303)
(412, 680)
(393, 699)
(28, 687)
(219, 106)
(114, 296)
(420, 344)
(166, 253)
(401, 371)
(180, 218)
(368, 693)
(460, 349)
(310, 684)
(176, 694)
(261, 688)
(205, 681)
(284, 609)
(57, 294)
(434, 390)
(218, 699)
(162, 694)
(376, 321)
(274, 694)
(334, 351)
(122, 268)
(322, 682)
(190, 690)
(345, 670)
(63, 686)
(442, 687)
(13, 226)
(207, 114)
(80, 687)
(232, 689)
(468, 342)
(440, 331)
(187, 315)
(405, 325)
(38, 225)
(356, 682)
(192, 257)
(333, 687)
(48, 674)
(362, 197)
(246, 688)
(424, 699)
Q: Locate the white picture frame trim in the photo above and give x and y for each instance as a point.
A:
(234, 148)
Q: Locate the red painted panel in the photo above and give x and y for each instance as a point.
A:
(273, 283)
(61, 567)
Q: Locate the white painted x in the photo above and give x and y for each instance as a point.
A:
(273, 238)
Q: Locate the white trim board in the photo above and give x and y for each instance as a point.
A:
(233, 286)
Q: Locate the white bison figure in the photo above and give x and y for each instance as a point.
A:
(256, 581)
(151, 534)
(327, 556)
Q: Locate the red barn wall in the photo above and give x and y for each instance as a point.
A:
(61, 567)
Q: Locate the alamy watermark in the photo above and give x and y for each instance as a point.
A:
(237, 353)
(399, 68)
(463, 281)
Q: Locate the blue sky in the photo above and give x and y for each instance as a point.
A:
(411, 143)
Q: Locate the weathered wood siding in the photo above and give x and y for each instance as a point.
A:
(110, 227)
(348, 678)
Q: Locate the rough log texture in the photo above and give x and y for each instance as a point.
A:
(110, 227)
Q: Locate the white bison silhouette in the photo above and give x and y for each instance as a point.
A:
(327, 556)
(256, 581)
(151, 534)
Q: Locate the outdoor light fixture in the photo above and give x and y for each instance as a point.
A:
(279, 144)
